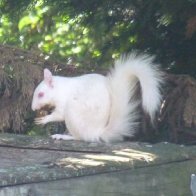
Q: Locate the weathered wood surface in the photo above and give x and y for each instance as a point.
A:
(42, 166)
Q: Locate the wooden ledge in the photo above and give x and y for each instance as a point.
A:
(27, 160)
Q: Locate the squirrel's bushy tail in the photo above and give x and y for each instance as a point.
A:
(123, 117)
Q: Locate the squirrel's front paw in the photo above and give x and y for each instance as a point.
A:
(40, 121)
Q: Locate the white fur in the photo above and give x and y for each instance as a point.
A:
(96, 107)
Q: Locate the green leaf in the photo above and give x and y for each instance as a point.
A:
(27, 20)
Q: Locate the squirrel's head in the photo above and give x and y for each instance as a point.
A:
(43, 94)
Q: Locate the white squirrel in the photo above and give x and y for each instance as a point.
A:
(101, 108)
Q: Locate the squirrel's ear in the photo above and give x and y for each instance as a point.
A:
(48, 77)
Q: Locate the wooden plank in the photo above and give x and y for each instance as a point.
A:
(27, 160)
(165, 180)
(36, 142)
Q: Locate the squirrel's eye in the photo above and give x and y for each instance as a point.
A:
(41, 94)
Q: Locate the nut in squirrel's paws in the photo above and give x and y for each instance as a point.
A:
(41, 114)
(40, 120)
(45, 110)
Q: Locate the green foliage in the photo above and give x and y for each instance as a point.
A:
(94, 32)
(54, 34)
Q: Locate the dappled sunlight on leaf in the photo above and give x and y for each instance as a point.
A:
(27, 20)
(98, 33)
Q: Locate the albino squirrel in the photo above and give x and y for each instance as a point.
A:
(101, 108)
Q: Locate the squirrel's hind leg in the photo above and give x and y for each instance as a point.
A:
(62, 137)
